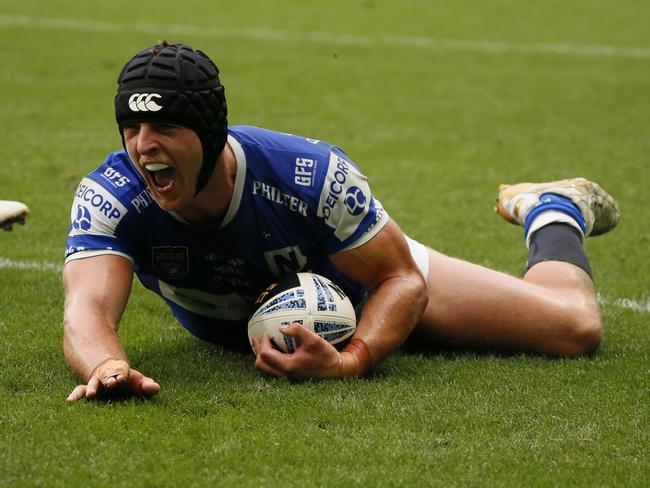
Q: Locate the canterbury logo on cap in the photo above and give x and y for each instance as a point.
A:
(142, 102)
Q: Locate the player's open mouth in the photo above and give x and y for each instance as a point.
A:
(161, 174)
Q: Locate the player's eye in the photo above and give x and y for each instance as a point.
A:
(130, 129)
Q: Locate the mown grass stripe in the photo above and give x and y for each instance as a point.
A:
(642, 305)
(266, 35)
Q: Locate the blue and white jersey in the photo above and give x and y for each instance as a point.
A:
(295, 201)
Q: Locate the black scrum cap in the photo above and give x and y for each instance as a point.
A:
(176, 84)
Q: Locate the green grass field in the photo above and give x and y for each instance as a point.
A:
(439, 102)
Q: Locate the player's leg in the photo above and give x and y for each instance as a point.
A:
(12, 212)
(553, 308)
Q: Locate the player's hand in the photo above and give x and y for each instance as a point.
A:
(114, 378)
(314, 358)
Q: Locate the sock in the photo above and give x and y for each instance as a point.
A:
(551, 217)
(554, 208)
(558, 241)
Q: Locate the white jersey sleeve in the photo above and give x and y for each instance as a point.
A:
(346, 203)
(99, 211)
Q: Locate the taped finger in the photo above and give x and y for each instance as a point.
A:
(112, 372)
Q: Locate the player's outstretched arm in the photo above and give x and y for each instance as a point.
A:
(397, 298)
(96, 292)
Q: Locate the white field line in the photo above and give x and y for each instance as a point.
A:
(632, 304)
(273, 35)
(642, 305)
(36, 265)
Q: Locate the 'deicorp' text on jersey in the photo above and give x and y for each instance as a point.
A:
(295, 201)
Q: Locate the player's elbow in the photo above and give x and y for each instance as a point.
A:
(420, 293)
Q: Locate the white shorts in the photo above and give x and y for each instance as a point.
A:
(420, 255)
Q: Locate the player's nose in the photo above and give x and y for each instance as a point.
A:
(147, 139)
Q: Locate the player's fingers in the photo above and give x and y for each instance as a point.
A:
(264, 343)
(149, 387)
(112, 372)
(307, 341)
(143, 385)
(265, 367)
(272, 361)
(260, 359)
(93, 387)
(256, 345)
(269, 359)
(297, 330)
(77, 394)
(268, 344)
(293, 329)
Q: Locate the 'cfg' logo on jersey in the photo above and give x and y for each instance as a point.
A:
(143, 102)
(82, 220)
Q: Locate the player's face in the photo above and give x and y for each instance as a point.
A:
(169, 158)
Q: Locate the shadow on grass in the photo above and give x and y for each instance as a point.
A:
(415, 345)
(183, 362)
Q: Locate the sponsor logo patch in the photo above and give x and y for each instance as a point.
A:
(142, 200)
(170, 262)
(304, 171)
(275, 195)
(83, 220)
(227, 271)
(345, 197)
(95, 210)
(355, 200)
(115, 178)
(285, 260)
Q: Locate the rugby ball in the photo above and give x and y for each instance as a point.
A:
(309, 299)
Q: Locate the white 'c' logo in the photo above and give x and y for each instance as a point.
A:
(142, 102)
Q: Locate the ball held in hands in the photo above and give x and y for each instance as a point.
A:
(309, 299)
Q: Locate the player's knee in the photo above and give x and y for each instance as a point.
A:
(585, 332)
